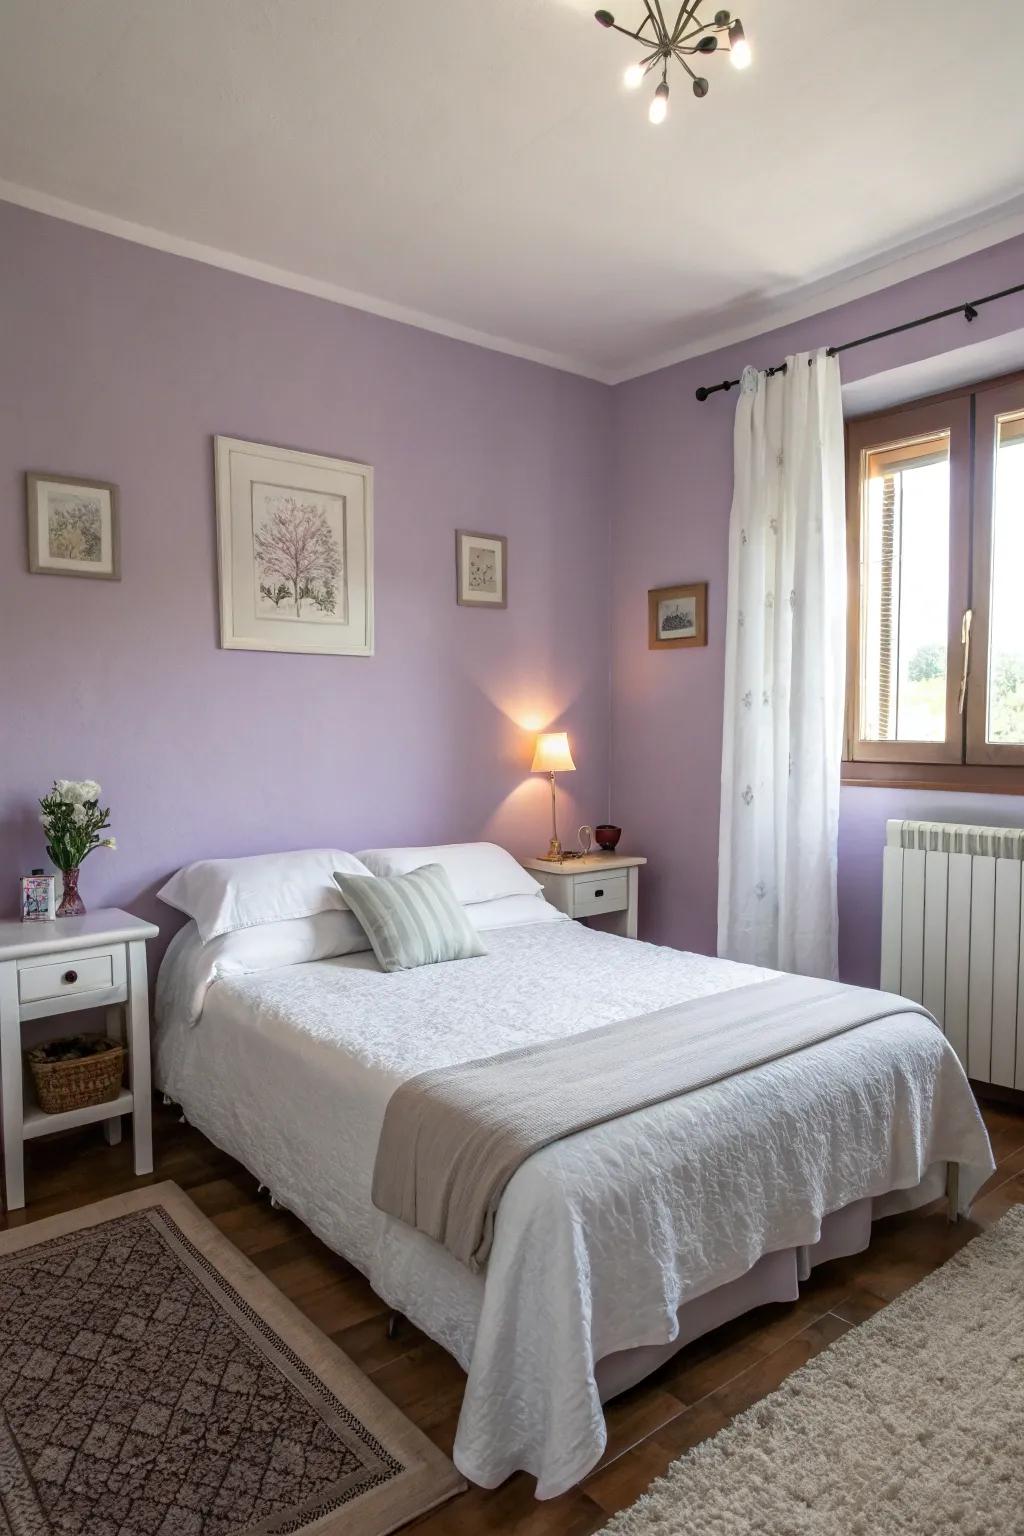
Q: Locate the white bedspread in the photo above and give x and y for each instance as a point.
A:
(600, 1238)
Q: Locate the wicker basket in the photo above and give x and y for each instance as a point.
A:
(75, 1082)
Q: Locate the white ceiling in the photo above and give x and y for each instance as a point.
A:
(477, 167)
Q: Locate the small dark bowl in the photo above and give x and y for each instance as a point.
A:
(608, 837)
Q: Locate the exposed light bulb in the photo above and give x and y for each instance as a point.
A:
(634, 76)
(658, 110)
(739, 48)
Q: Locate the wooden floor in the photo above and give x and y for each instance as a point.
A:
(691, 1397)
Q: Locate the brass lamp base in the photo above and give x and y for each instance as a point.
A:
(556, 854)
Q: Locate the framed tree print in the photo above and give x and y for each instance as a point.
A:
(295, 550)
(73, 526)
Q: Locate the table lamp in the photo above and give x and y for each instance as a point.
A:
(552, 756)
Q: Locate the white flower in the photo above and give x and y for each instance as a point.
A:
(78, 791)
(109, 842)
(79, 815)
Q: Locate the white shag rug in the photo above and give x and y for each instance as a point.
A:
(910, 1425)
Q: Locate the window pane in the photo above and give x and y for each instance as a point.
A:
(904, 591)
(1006, 621)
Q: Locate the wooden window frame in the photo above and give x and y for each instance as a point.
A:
(957, 763)
(907, 425)
(991, 402)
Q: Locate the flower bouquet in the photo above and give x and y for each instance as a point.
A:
(73, 820)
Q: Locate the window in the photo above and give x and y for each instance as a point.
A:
(936, 622)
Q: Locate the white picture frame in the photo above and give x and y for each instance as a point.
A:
(294, 550)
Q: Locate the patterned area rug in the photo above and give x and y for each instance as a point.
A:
(154, 1383)
(910, 1425)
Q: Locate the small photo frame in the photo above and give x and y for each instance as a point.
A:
(38, 898)
(73, 527)
(481, 569)
(677, 616)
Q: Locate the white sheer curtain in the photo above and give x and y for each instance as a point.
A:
(785, 666)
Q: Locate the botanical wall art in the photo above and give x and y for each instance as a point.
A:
(481, 569)
(73, 526)
(677, 616)
(295, 548)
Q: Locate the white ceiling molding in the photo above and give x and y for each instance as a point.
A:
(231, 261)
(785, 308)
(774, 311)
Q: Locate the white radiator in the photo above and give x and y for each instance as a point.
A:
(952, 936)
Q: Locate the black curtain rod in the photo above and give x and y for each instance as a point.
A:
(968, 310)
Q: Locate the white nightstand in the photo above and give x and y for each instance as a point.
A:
(95, 961)
(590, 887)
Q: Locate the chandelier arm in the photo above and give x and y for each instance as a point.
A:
(661, 18)
(636, 36)
(683, 62)
(687, 13)
(655, 22)
(699, 29)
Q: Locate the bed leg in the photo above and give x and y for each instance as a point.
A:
(391, 1326)
(953, 1192)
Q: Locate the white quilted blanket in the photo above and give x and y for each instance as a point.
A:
(600, 1237)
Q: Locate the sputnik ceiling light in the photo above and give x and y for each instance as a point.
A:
(688, 37)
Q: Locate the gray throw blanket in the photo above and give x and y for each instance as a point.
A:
(453, 1137)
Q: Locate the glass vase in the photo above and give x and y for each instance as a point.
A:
(71, 904)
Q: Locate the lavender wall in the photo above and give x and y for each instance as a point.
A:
(121, 362)
(670, 523)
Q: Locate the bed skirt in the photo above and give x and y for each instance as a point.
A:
(775, 1277)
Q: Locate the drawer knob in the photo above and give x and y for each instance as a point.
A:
(70, 976)
(599, 893)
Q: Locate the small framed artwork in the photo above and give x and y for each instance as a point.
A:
(295, 551)
(73, 527)
(38, 897)
(677, 616)
(481, 569)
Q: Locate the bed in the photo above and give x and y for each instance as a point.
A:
(612, 1246)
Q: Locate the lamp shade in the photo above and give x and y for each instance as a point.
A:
(552, 754)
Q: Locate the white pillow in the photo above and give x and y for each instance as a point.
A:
(477, 871)
(514, 911)
(190, 967)
(295, 941)
(223, 895)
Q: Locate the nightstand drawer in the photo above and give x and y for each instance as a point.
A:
(600, 893)
(92, 970)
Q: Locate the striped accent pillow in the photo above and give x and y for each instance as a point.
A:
(412, 919)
